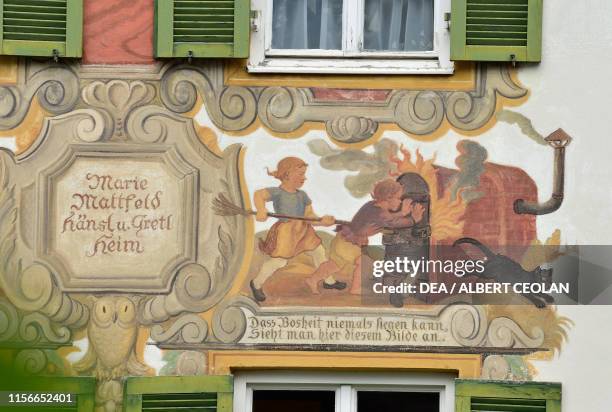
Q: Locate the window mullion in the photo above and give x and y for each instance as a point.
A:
(347, 399)
(353, 10)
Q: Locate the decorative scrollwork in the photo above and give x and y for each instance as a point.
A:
(147, 125)
(193, 284)
(9, 320)
(230, 108)
(351, 129)
(229, 322)
(418, 112)
(468, 324)
(118, 98)
(32, 288)
(286, 109)
(506, 333)
(472, 110)
(55, 86)
(188, 328)
(195, 287)
(35, 327)
(282, 109)
(30, 361)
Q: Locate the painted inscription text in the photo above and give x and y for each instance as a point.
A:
(118, 211)
(381, 330)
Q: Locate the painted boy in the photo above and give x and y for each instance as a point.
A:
(288, 238)
(385, 210)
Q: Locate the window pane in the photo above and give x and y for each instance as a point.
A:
(371, 401)
(307, 24)
(293, 401)
(398, 25)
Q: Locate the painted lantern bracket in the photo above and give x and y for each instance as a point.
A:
(558, 140)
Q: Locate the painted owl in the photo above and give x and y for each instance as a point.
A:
(112, 333)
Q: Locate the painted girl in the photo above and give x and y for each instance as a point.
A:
(288, 238)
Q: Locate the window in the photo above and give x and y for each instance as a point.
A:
(41, 27)
(350, 36)
(322, 36)
(343, 392)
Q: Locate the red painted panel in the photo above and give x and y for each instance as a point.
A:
(118, 32)
(350, 95)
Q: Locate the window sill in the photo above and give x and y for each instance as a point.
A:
(350, 66)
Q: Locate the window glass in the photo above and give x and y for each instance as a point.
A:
(374, 401)
(307, 24)
(293, 401)
(398, 25)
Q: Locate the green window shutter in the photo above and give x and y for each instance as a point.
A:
(82, 389)
(178, 393)
(496, 30)
(38, 27)
(496, 396)
(204, 28)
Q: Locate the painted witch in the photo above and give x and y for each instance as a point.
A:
(386, 210)
(288, 237)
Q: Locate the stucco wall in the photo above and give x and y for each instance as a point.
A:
(569, 89)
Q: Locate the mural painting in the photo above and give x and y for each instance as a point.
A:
(124, 219)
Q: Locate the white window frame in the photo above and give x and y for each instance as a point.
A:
(350, 60)
(344, 384)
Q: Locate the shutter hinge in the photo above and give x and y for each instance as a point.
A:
(254, 20)
(447, 20)
(190, 57)
(513, 59)
(55, 55)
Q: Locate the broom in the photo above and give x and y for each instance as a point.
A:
(224, 207)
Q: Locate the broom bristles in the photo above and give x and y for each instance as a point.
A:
(224, 207)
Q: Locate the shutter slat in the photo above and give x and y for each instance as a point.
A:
(209, 17)
(490, 28)
(204, 39)
(35, 9)
(206, 24)
(33, 36)
(210, 31)
(13, 28)
(56, 3)
(508, 405)
(196, 401)
(48, 24)
(496, 2)
(35, 16)
(500, 7)
(498, 35)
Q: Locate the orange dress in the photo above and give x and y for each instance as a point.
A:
(289, 239)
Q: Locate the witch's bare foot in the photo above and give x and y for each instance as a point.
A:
(313, 284)
(355, 291)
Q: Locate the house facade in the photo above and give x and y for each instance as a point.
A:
(197, 204)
